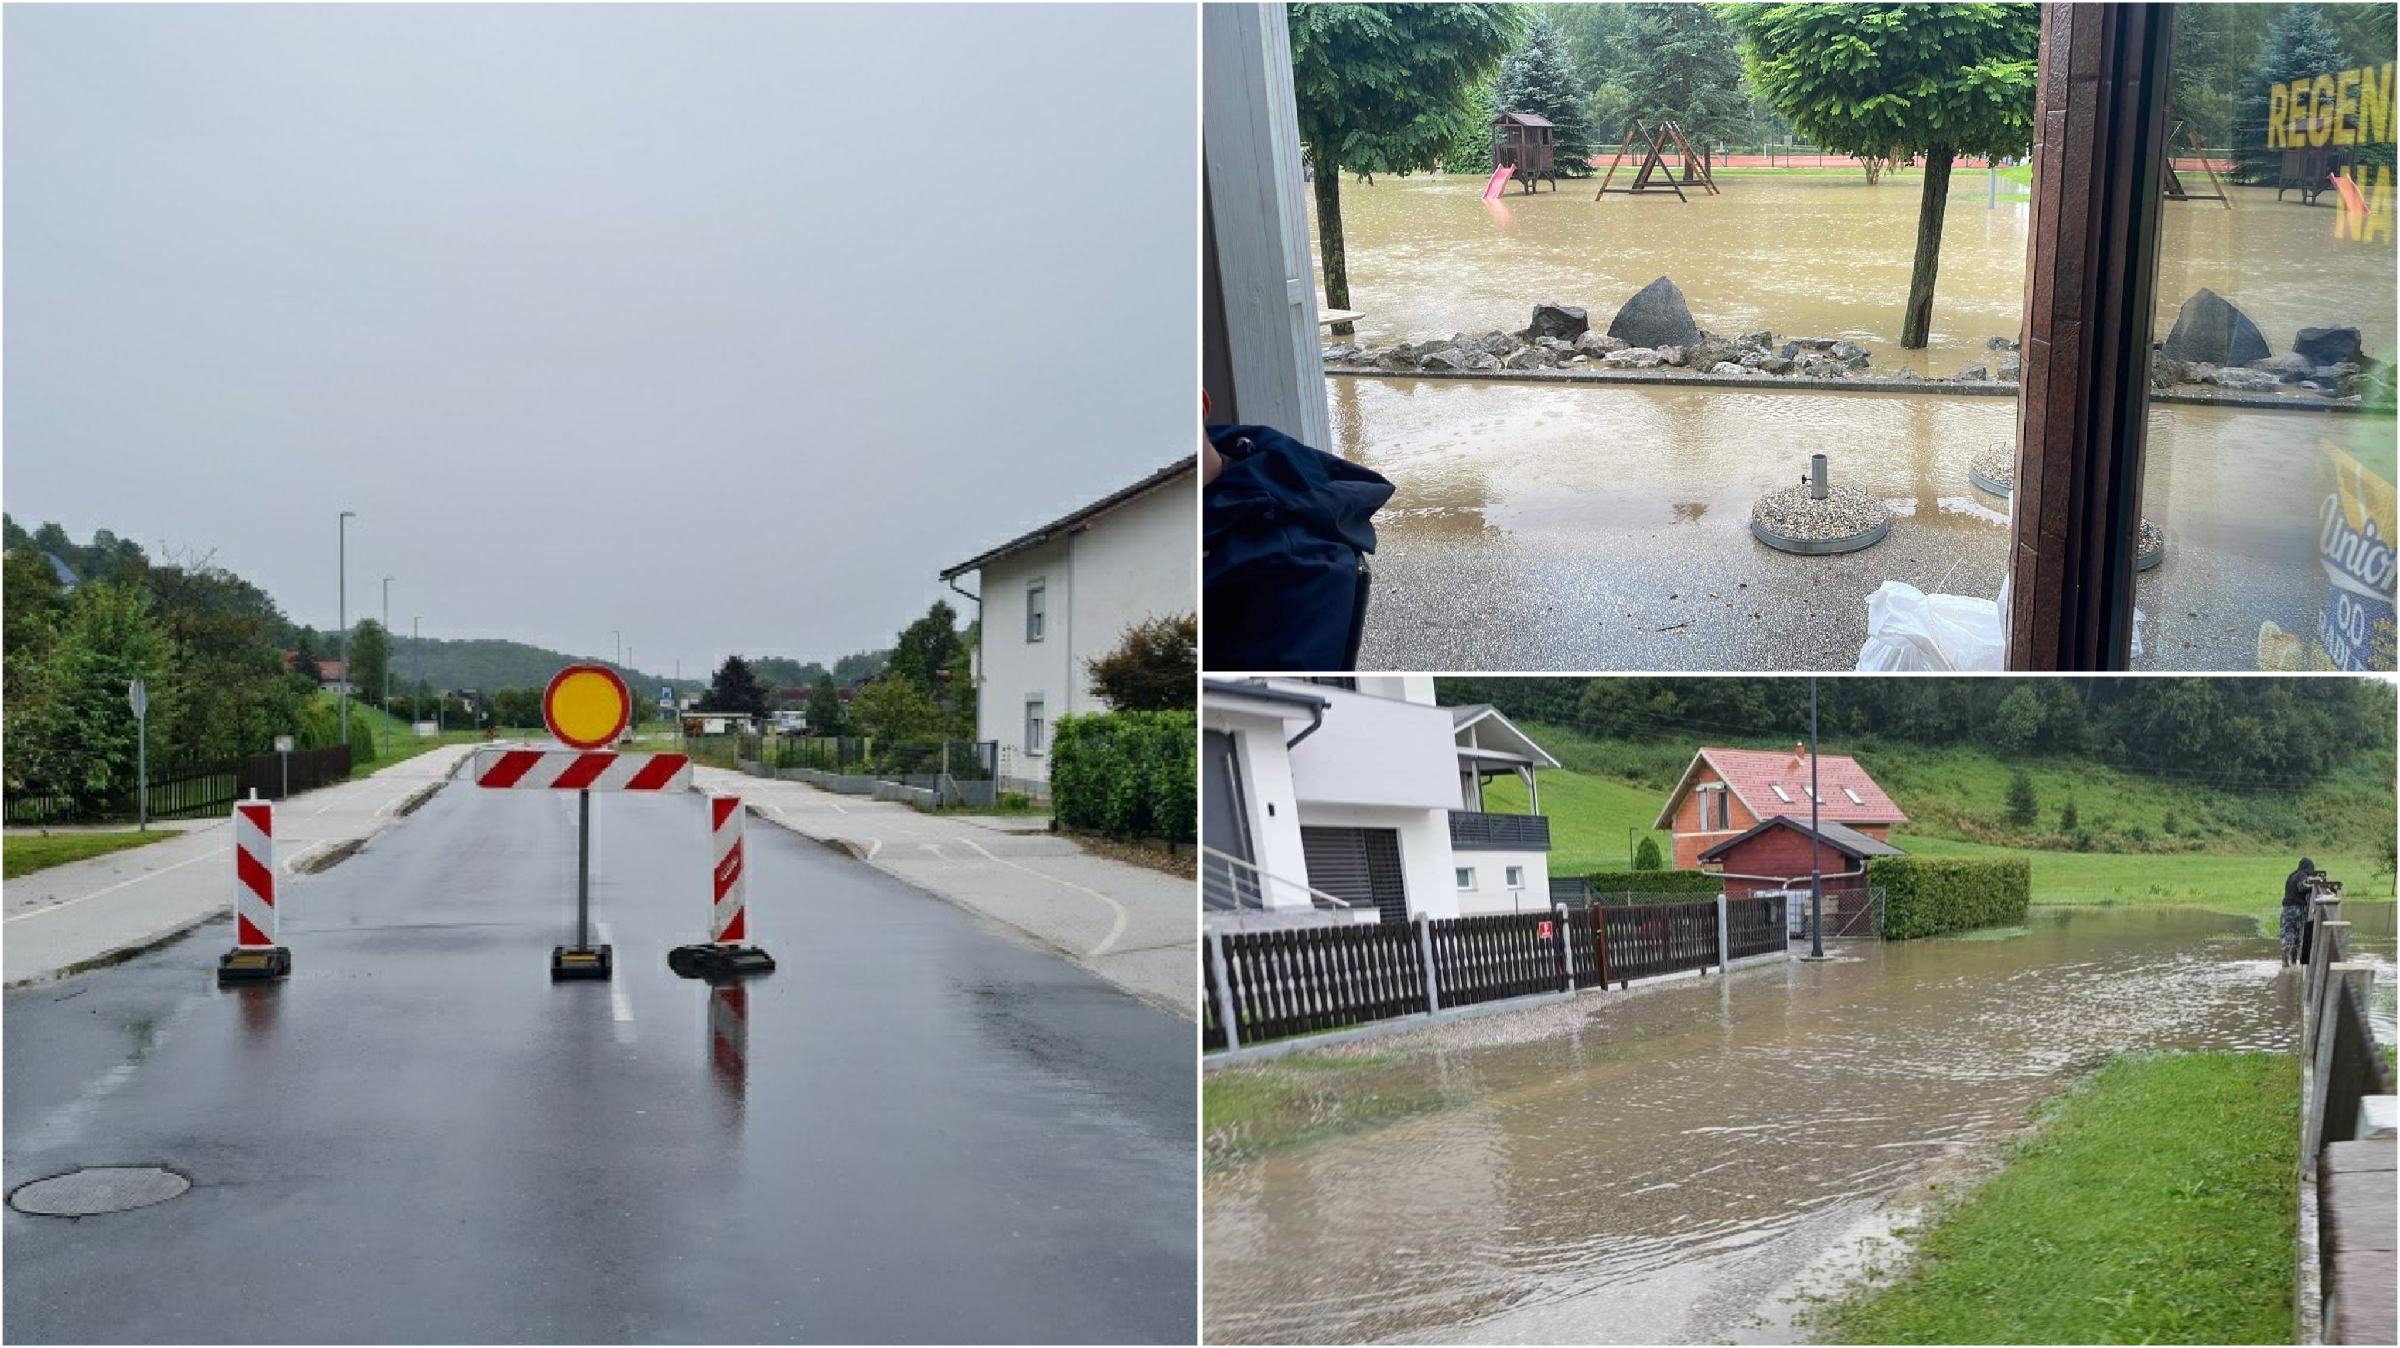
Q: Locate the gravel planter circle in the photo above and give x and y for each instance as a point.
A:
(1788, 519)
(1994, 470)
(2152, 549)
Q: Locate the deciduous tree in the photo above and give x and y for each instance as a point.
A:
(1386, 87)
(1154, 667)
(1895, 81)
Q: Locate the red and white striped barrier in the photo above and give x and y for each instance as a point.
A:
(580, 770)
(726, 925)
(729, 1036)
(725, 954)
(256, 956)
(254, 875)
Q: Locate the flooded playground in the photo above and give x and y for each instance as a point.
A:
(1660, 1166)
(1563, 526)
(1815, 255)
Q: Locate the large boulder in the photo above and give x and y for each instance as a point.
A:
(2208, 328)
(1527, 358)
(1448, 358)
(1485, 360)
(1563, 321)
(2328, 346)
(1711, 352)
(1850, 354)
(1656, 316)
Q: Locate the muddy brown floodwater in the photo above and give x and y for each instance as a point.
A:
(1582, 527)
(1658, 1166)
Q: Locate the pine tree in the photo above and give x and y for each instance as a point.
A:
(1539, 78)
(2298, 47)
(825, 707)
(1645, 855)
(2067, 818)
(2023, 807)
(1682, 62)
(734, 688)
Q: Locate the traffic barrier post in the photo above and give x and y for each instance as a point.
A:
(726, 954)
(256, 957)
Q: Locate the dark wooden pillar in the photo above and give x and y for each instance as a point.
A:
(2084, 385)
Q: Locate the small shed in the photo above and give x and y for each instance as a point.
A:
(1773, 857)
(1526, 142)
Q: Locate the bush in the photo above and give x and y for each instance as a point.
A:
(1127, 774)
(1927, 897)
(1613, 886)
(1645, 855)
(2067, 816)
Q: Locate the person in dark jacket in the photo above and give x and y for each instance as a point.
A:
(2295, 911)
(1284, 530)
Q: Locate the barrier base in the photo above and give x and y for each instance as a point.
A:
(253, 964)
(595, 962)
(719, 963)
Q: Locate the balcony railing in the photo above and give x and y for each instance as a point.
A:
(1477, 832)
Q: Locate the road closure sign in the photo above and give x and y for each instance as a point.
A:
(586, 706)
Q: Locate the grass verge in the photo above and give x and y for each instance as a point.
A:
(1248, 1110)
(2117, 1221)
(25, 853)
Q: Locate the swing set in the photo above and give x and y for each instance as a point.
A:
(1654, 175)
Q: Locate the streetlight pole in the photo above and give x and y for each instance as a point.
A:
(416, 648)
(387, 663)
(342, 573)
(1816, 874)
(619, 638)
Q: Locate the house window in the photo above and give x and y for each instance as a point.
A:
(1783, 795)
(1037, 607)
(1344, 681)
(1466, 878)
(1035, 728)
(1516, 877)
(1855, 798)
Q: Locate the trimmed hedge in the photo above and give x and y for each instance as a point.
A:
(1927, 896)
(1127, 774)
(1604, 884)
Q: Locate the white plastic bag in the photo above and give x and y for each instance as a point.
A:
(1910, 631)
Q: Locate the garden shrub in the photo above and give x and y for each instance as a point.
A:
(1127, 774)
(1613, 886)
(1927, 896)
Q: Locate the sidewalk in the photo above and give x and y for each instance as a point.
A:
(1137, 928)
(56, 921)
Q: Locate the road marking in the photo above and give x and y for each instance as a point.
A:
(1115, 929)
(69, 903)
(620, 1007)
(874, 845)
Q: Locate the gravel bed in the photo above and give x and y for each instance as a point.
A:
(1999, 464)
(1845, 512)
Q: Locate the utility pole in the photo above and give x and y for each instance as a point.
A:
(416, 649)
(342, 572)
(1816, 874)
(619, 638)
(387, 664)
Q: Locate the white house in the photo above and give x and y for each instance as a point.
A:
(1056, 596)
(1359, 799)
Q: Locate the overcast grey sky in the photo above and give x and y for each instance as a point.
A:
(728, 326)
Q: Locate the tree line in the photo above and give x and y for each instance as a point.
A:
(2236, 733)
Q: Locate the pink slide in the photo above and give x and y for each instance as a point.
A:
(1499, 182)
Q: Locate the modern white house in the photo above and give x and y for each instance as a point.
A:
(1058, 595)
(1360, 799)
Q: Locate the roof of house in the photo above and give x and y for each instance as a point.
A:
(1840, 837)
(1850, 795)
(1514, 744)
(1524, 119)
(332, 671)
(1077, 518)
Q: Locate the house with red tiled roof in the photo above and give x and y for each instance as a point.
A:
(1726, 793)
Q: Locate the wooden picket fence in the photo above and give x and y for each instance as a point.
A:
(1275, 984)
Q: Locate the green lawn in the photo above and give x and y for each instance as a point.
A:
(2117, 1221)
(1589, 817)
(25, 853)
(2248, 886)
(377, 740)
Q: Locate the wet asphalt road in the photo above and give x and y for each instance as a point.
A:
(926, 1130)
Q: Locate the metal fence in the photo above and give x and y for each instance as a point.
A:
(186, 790)
(950, 772)
(1262, 986)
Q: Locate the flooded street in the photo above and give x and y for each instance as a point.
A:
(1651, 1167)
(1584, 527)
(1813, 256)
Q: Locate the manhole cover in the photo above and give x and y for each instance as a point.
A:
(88, 1193)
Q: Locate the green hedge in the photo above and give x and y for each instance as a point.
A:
(1927, 897)
(1609, 886)
(1127, 774)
